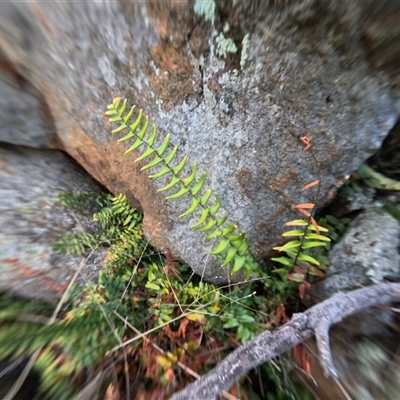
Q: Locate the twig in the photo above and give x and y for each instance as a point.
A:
(315, 321)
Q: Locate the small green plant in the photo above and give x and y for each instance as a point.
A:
(75, 243)
(299, 261)
(119, 223)
(233, 248)
(80, 200)
(137, 291)
(336, 227)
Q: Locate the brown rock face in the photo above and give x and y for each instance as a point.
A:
(236, 84)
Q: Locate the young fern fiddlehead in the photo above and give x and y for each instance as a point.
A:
(232, 247)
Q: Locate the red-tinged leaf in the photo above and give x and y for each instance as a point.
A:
(296, 277)
(302, 290)
(307, 285)
(304, 205)
(307, 367)
(280, 315)
(296, 354)
(304, 212)
(299, 270)
(169, 374)
(302, 358)
(315, 225)
(310, 185)
(182, 328)
(306, 140)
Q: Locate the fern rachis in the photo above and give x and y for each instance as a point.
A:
(233, 247)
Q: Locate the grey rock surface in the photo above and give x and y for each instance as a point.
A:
(31, 220)
(236, 84)
(365, 255)
(25, 118)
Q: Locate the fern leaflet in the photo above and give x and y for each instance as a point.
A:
(232, 248)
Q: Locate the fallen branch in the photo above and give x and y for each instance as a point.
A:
(315, 321)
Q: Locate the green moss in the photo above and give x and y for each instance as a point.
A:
(225, 46)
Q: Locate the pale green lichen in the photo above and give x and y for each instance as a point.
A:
(225, 46)
(206, 8)
(160, 110)
(226, 27)
(156, 70)
(245, 50)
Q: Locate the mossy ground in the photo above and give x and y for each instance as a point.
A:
(147, 327)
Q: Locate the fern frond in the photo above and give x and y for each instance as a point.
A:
(309, 245)
(228, 230)
(180, 193)
(195, 203)
(289, 245)
(308, 258)
(295, 233)
(203, 217)
(297, 250)
(232, 249)
(75, 243)
(317, 237)
(213, 235)
(199, 185)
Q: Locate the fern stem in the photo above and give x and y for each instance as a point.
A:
(303, 237)
(235, 247)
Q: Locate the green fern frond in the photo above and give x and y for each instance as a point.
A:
(75, 243)
(296, 250)
(231, 248)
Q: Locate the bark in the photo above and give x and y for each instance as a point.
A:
(315, 321)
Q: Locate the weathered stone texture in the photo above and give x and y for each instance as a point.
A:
(236, 84)
(364, 256)
(31, 220)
